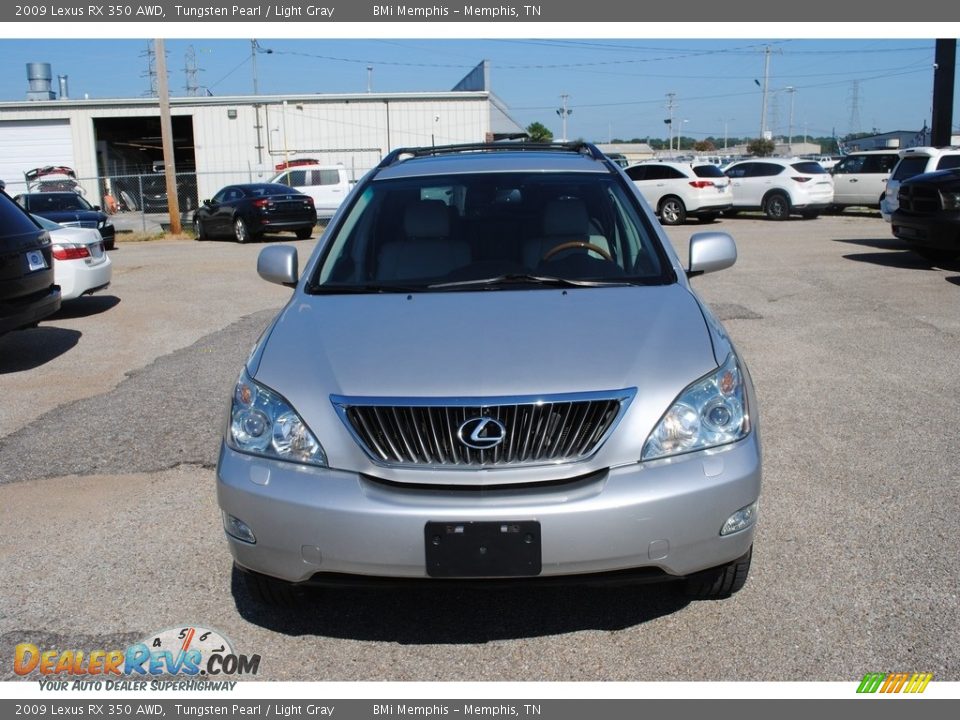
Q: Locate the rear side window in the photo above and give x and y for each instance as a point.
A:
(948, 161)
(879, 163)
(708, 171)
(910, 166)
(762, 169)
(809, 168)
(13, 221)
(637, 173)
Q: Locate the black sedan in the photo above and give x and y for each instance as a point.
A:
(245, 212)
(71, 210)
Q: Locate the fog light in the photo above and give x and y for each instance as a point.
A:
(741, 519)
(237, 528)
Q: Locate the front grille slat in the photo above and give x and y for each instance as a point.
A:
(537, 431)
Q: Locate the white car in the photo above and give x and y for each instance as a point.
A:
(780, 187)
(80, 264)
(328, 185)
(677, 190)
(860, 178)
(915, 161)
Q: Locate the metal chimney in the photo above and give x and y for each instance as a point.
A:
(40, 78)
(64, 95)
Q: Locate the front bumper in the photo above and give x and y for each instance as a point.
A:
(664, 515)
(941, 231)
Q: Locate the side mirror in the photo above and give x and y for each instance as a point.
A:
(711, 251)
(278, 264)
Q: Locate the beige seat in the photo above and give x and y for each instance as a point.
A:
(426, 251)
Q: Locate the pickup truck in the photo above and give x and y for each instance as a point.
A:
(328, 185)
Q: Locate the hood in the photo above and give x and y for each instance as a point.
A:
(486, 344)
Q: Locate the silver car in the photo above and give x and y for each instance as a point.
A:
(493, 367)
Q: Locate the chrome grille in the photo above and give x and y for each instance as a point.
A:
(80, 223)
(537, 430)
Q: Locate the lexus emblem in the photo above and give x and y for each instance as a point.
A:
(482, 433)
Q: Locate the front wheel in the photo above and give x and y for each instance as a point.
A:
(720, 582)
(198, 229)
(672, 211)
(304, 233)
(777, 207)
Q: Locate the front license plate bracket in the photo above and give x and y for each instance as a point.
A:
(483, 549)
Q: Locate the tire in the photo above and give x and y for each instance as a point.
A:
(128, 200)
(269, 591)
(721, 582)
(672, 211)
(708, 217)
(240, 230)
(304, 233)
(776, 206)
(198, 229)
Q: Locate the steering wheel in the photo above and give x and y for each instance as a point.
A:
(576, 244)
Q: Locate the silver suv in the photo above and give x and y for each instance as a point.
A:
(493, 366)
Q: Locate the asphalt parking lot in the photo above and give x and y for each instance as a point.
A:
(112, 412)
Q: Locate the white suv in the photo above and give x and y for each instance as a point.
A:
(779, 187)
(676, 190)
(916, 161)
(860, 178)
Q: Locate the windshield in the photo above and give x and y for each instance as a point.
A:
(441, 233)
(56, 202)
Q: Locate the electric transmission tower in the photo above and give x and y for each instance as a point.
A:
(192, 71)
(855, 108)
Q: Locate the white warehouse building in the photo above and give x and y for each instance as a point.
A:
(240, 138)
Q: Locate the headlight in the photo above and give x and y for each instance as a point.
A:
(950, 200)
(710, 412)
(263, 423)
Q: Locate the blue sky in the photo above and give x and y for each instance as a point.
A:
(616, 87)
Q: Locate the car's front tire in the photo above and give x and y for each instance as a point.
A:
(268, 591)
(720, 582)
(672, 211)
(304, 233)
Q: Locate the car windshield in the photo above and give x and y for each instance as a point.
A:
(55, 202)
(489, 231)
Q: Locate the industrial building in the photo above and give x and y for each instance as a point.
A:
(239, 138)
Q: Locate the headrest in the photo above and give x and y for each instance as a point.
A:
(427, 219)
(566, 216)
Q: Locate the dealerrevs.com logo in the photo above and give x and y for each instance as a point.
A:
(190, 652)
(910, 683)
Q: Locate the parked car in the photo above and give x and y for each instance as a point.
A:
(328, 185)
(677, 190)
(28, 292)
(928, 214)
(860, 178)
(247, 211)
(493, 367)
(780, 187)
(80, 263)
(70, 210)
(52, 178)
(915, 161)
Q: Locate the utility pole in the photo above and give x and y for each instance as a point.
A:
(670, 106)
(563, 112)
(944, 71)
(166, 135)
(766, 90)
(254, 49)
(792, 90)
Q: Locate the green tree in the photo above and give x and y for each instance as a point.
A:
(704, 146)
(760, 147)
(539, 132)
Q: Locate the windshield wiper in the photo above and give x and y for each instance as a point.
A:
(525, 279)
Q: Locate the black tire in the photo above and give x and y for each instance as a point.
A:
(708, 217)
(269, 591)
(672, 211)
(198, 230)
(776, 206)
(240, 230)
(304, 233)
(721, 582)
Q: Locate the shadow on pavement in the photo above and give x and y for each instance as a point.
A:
(28, 349)
(455, 615)
(86, 306)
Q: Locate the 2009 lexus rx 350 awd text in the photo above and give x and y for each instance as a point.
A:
(493, 367)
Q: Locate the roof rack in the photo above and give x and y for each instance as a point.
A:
(583, 148)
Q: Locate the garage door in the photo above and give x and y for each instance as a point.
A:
(28, 144)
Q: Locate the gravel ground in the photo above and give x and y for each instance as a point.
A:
(112, 414)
